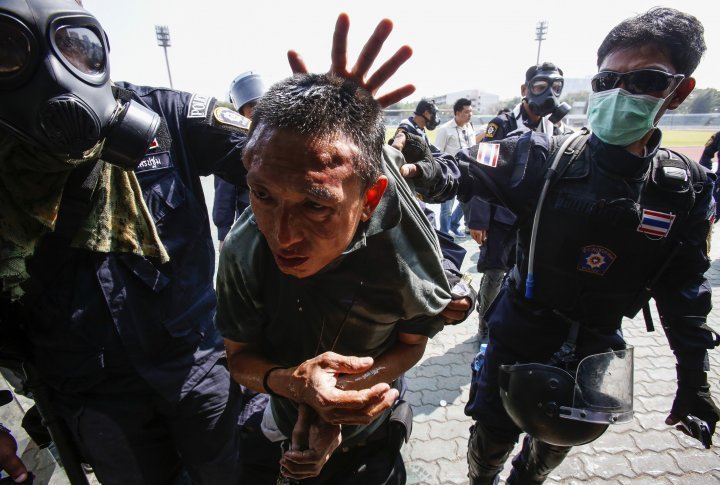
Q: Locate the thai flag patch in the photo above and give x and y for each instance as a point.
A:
(488, 154)
(655, 223)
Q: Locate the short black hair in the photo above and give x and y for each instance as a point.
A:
(460, 104)
(544, 67)
(677, 34)
(320, 105)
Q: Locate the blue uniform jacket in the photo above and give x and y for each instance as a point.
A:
(682, 293)
(98, 320)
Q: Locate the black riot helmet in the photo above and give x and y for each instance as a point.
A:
(552, 405)
(544, 85)
(425, 105)
(55, 89)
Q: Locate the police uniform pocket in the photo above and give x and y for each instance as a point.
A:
(167, 194)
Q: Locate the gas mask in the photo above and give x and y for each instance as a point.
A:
(55, 89)
(434, 120)
(543, 93)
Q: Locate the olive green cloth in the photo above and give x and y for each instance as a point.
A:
(31, 188)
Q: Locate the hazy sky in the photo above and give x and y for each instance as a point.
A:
(457, 45)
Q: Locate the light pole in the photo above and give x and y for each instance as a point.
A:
(162, 32)
(540, 31)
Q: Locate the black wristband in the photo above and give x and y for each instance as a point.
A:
(266, 387)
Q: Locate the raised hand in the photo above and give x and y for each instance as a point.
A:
(364, 62)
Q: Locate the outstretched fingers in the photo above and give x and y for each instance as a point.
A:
(297, 63)
(395, 96)
(389, 68)
(371, 49)
(338, 52)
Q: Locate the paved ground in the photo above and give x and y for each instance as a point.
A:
(644, 451)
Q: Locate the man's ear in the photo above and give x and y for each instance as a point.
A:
(373, 196)
(523, 90)
(683, 90)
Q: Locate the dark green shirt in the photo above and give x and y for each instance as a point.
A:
(390, 279)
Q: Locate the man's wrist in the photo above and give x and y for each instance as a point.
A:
(266, 380)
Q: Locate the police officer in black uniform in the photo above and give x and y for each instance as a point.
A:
(624, 222)
(490, 225)
(424, 117)
(539, 109)
(123, 337)
(230, 201)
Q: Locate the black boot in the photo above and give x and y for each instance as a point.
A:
(486, 456)
(535, 461)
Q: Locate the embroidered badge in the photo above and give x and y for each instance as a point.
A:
(655, 223)
(595, 259)
(488, 154)
(226, 116)
(154, 161)
(154, 144)
(198, 107)
(491, 129)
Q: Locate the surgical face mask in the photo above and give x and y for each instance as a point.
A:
(55, 89)
(618, 117)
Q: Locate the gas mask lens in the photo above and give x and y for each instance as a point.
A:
(82, 48)
(540, 85)
(14, 49)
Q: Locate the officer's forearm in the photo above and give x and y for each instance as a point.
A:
(390, 365)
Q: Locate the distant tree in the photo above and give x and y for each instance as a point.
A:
(577, 96)
(506, 104)
(706, 100)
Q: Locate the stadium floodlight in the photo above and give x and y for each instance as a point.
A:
(162, 32)
(540, 32)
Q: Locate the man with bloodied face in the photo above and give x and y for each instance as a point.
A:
(330, 287)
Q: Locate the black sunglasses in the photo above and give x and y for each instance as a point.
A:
(642, 81)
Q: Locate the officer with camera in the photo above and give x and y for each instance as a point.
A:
(606, 222)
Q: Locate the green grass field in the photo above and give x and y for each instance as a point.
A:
(671, 138)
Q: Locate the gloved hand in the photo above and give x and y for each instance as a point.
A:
(693, 398)
(416, 151)
(464, 298)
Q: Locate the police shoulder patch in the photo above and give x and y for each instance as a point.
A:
(491, 130)
(228, 117)
(198, 107)
(595, 259)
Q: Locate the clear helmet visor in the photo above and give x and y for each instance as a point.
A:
(82, 48)
(603, 388)
(15, 49)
